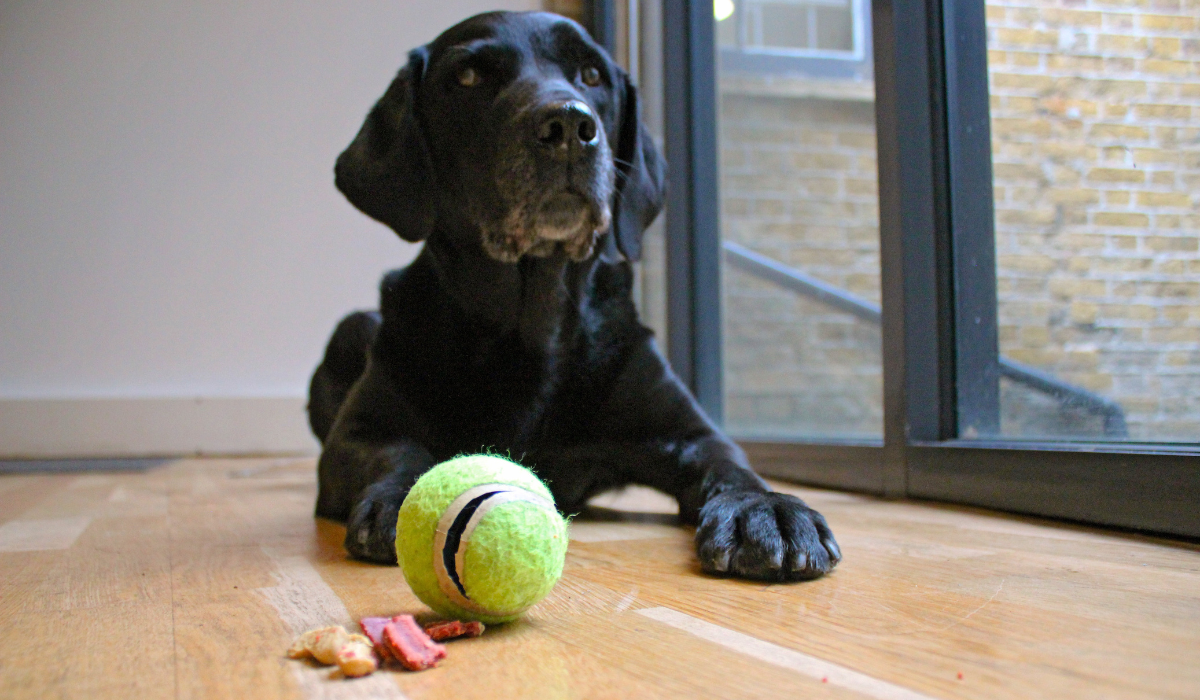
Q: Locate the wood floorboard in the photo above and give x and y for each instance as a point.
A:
(190, 580)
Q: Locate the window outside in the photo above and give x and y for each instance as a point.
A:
(1096, 154)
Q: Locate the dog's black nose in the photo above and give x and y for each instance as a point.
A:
(568, 127)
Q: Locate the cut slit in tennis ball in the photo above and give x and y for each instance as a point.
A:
(479, 538)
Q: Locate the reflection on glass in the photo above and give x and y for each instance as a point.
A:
(787, 25)
(798, 186)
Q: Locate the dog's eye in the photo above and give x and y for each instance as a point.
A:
(591, 76)
(468, 77)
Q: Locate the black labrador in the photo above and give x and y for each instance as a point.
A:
(511, 145)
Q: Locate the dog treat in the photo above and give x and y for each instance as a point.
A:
(410, 645)
(373, 628)
(452, 629)
(306, 645)
(353, 653)
(357, 657)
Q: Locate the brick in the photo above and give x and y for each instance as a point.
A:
(1023, 82)
(1016, 172)
(1065, 151)
(735, 206)
(1115, 111)
(1071, 18)
(1035, 336)
(1119, 64)
(1155, 156)
(1121, 43)
(1129, 4)
(1073, 196)
(1173, 290)
(1171, 267)
(1163, 112)
(1116, 198)
(732, 158)
(1174, 335)
(1125, 289)
(1122, 312)
(1024, 16)
(1164, 178)
(1172, 244)
(1069, 288)
(1167, 23)
(1116, 21)
(1165, 67)
(1123, 133)
(861, 187)
(1016, 127)
(1164, 199)
(1081, 64)
(1037, 264)
(1103, 266)
(1166, 47)
(1133, 219)
(1020, 105)
(1025, 59)
(1181, 359)
(1116, 175)
(1026, 217)
(863, 140)
(1026, 38)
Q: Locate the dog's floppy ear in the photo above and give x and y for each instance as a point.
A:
(386, 171)
(641, 179)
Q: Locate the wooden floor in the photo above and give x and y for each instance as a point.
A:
(191, 579)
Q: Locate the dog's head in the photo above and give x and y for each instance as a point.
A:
(514, 127)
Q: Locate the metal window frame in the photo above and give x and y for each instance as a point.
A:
(693, 213)
(941, 371)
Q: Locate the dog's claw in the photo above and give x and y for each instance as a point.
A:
(835, 552)
(799, 561)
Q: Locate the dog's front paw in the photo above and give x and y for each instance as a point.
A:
(766, 536)
(371, 530)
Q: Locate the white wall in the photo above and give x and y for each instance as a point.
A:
(169, 229)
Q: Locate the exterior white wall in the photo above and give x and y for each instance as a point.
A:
(169, 229)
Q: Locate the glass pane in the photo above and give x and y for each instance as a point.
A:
(1096, 150)
(798, 196)
(835, 29)
(784, 25)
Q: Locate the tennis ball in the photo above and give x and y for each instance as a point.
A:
(478, 538)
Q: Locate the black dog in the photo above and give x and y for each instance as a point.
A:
(511, 145)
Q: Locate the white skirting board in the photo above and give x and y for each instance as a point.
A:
(154, 427)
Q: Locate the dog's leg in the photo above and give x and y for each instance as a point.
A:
(743, 528)
(344, 362)
(369, 507)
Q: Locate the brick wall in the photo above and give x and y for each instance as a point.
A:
(1096, 135)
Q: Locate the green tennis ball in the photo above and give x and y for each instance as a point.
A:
(478, 538)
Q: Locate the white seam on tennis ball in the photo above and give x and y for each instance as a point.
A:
(501, 494)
